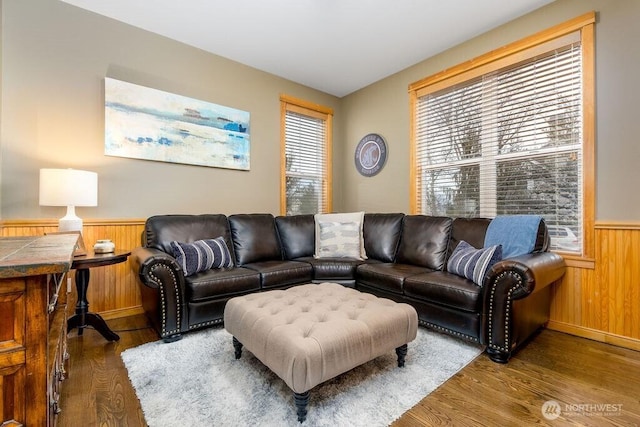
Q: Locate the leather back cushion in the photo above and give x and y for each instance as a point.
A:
(424, 241)
(297, 235)
(161, 230)
(382, 235)
(471, 230)
(254, 238)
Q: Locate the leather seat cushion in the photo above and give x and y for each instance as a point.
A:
(333, 268)
(444, 289)
(275, 274)
(224, 282)
(389, 277)
(311, 333)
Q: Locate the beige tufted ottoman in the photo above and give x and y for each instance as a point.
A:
(311, 333)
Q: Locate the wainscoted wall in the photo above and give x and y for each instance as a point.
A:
(113, 290)
(603, 303)
(599, 303)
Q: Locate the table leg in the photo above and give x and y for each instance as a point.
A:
(83, 317)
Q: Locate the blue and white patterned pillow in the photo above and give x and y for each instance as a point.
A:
(472, 263)
(202, 255)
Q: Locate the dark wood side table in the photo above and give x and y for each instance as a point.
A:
(83, 317)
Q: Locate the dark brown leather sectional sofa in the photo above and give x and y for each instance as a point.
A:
(406, 262)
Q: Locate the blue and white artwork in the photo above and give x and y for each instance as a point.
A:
(145, 123)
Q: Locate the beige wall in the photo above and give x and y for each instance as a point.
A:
(384, 108)
(55, 59)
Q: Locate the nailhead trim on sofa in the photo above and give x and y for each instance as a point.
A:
(209, 323)
(447, 330)
(163, 301)
(518, 284)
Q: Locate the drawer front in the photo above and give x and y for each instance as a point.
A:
(12, 315)
(12, 381)
(12, 350)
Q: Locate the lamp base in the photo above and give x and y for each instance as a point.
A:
(70, 222)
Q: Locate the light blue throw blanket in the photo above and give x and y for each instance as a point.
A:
(516, 233)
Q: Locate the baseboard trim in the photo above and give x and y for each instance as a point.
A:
(122, 312)
(596, 335)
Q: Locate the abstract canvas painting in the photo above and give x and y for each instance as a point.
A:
(146, 123)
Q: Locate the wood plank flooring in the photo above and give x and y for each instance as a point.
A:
(594, 384)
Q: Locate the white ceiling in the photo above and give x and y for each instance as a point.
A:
(336, 46)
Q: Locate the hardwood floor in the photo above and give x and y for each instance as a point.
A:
(593, 383)
(97, 391)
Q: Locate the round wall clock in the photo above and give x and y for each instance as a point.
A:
(371, 153)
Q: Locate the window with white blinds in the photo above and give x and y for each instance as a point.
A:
(306, 158)
(506, 138)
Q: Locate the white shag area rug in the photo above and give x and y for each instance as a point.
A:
(197, 382)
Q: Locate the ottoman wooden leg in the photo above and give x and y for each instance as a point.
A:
(401, 352)
(237, 345)
(301, 400)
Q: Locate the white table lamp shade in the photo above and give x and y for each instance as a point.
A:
(70, 188)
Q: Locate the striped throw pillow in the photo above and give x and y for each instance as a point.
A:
(202, 255)
(472, 263)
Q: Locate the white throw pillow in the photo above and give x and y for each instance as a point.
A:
(339, 240)
(345, 235)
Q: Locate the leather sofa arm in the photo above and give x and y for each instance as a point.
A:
(510, 280)
(161, 273)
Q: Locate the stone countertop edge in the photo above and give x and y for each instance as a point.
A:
(35, 255)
